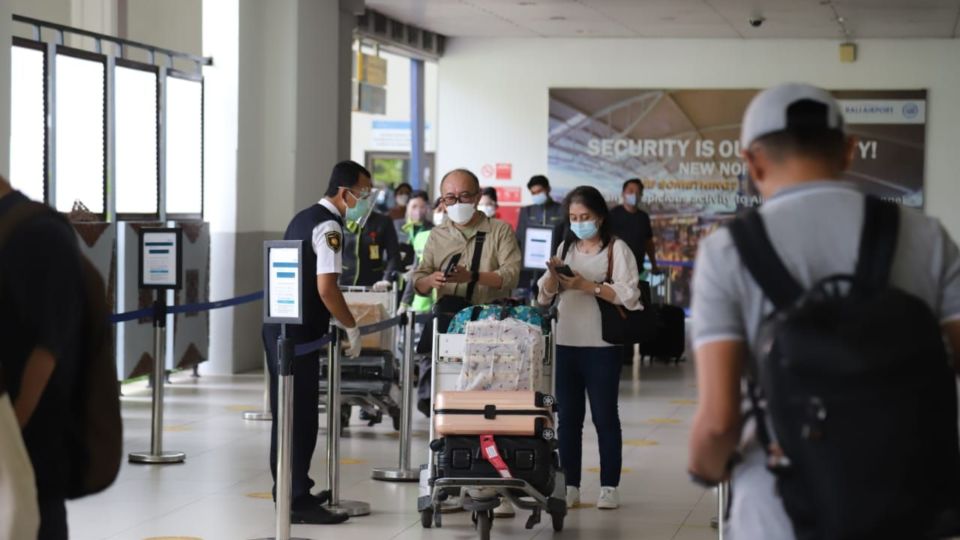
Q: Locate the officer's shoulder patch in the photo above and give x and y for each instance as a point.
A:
(334, 240)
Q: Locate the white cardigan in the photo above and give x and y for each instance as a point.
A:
(578, 316)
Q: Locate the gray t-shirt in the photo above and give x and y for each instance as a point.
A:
(815, 229)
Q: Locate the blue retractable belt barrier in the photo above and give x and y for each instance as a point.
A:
(300, 350)
(677, 264)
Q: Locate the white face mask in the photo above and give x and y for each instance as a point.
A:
(438, 218)
(402, 200)
(488, 209)
(461, 213)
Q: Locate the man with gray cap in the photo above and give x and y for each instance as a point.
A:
(796, 149)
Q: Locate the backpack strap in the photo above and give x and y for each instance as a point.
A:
(475, 263)
(475, 312)
(759, 256)
(878, 244)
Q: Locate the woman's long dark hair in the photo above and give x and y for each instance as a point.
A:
(590, 197)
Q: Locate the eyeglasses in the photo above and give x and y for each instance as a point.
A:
(361, 195)
(465, 197)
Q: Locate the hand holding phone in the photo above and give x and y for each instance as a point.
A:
(565, 270)
(452, 265)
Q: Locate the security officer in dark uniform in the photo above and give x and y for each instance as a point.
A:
(371, 257)
(320, 229)
(544, 212)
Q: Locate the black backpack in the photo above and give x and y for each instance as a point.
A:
(855, 382)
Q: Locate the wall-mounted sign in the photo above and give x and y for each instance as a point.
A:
(371, 69)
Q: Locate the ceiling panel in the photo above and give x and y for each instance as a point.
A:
(800, 19)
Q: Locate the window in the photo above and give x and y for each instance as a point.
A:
(135, 95)
(27, 143)
(80, 130)
(184, 152)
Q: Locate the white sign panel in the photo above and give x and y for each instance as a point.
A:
(284, 283)
(884, 111)
(536, 248)
(159, 259)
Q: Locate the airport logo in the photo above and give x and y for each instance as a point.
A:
(884, 111)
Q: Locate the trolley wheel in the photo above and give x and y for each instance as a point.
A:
(484, 524)
(549, 401)
(549, 434)
(557, 519)
(426, 518)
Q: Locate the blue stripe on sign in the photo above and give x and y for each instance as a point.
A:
(157, 251)
(159, 272)
(286, 275)
(291, 302)
(284, 265)
(158, 243)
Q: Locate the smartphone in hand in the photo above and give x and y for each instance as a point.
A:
(565, 270)
(452, 265)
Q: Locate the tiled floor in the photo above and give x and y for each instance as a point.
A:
(218, 493)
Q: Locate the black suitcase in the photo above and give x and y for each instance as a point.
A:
(669, 341)
(373, 372)
(528, 458)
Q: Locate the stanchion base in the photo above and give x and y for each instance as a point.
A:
(257, 415)
(351, 508)
(394, 474)
(163, 458)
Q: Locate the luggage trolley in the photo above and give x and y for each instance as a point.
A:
(371, 381)
(448, 353)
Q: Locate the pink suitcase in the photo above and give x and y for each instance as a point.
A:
(522, 414)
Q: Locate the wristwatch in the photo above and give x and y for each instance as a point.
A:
(474, 277)
(596, 291)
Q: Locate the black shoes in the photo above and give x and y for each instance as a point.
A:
(423, 406)
(309, 510)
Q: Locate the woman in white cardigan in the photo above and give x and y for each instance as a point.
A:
(586, 364)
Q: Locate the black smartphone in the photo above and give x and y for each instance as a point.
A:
(565, 270)
(454, 261)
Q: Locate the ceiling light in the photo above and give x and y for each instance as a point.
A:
(841, 20)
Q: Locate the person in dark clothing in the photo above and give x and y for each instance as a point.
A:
(371, 257)
(41, 309)
(320, 229)
(544, 212)
(632, 225)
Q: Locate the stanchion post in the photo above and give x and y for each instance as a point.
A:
(264, 413)
(156, 455)
(351, 508)
(403, 473)
(723, 493)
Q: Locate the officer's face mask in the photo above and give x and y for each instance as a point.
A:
(360, 211)
(539, 198)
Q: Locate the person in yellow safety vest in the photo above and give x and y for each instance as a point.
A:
(411, 300)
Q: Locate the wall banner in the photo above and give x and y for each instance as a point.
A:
(684, 145)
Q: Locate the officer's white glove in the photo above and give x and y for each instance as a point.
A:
(402, 309)
(381, 286)
(353, 340)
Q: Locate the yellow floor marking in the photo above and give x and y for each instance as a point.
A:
(640, 442)
(663, 421)
(583, 505)
(242, 408)
(260, 495)
(176, 428)
(683, 401)
(348, 461)
(625, 470)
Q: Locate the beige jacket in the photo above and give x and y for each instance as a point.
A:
(501, 254)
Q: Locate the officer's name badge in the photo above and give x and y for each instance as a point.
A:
(334, 241)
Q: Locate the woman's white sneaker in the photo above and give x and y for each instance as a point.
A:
(505, 509)
(573, 496)
(609, 498)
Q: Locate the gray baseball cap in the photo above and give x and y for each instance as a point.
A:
(789, 106)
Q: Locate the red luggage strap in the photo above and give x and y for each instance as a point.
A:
(490, 453)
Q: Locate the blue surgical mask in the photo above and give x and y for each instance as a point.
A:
(630, 199)
(584, 230)
(359, 212)
(540, 198)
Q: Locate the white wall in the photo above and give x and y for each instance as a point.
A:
(493, 93)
